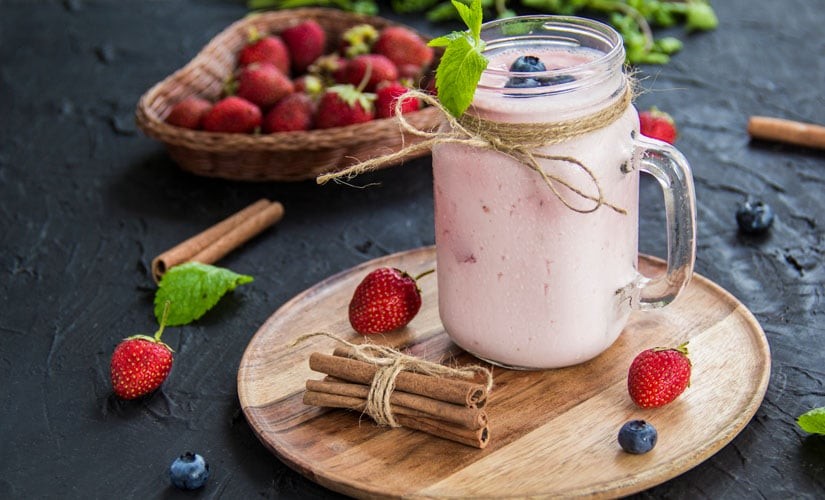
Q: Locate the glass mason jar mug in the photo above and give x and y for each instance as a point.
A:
(537, 234)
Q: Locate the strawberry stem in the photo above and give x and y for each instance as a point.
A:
(428, 271)
(158, 333)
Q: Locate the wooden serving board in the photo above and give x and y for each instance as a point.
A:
(553, 433)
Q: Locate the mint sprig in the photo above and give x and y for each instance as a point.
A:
(192, 289)
(813, 421)
(462, 64)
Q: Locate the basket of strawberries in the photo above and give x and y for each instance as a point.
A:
(292, 94)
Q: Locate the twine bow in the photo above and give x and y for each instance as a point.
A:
(519, 141)
(390, 363)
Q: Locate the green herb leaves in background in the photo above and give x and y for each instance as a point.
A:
(633, 19)
(461, 65)
(813, 421)
(192, 289)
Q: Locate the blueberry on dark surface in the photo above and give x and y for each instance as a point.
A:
(532, 64)
(189, 471)
(754, 216)
(637, 437)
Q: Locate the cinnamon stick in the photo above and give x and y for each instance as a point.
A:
(212, 244)
(471, 437)
(409, 404)
(789, 131)
(462, 392)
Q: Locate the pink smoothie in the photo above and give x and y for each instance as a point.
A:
(523, 280)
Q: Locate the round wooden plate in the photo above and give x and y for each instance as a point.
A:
(553, 433)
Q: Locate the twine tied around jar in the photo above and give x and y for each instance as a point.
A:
(519, 141)
(390, 363)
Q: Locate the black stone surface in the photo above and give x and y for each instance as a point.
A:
(86, 201)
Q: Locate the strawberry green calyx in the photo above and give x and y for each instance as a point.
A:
(359, 39)
(425, 273)
(463, 62)
(351, 95)
(156, 337)
(253, 35)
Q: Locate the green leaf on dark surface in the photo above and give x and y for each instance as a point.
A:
(192, 289)
(813, 421)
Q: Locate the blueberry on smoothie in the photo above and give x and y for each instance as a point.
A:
(532, 64)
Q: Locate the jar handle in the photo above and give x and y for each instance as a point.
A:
(671, 169)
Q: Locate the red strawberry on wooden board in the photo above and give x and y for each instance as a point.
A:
(265, 49)
(344, 105)
(658, 376)
(306, 42)
(189, 113)
(658, 125)
(234, 115)
(140, 363)
(385, 300)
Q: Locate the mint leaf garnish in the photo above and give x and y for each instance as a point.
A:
(813, 421)
(192, 289)
(459, 71)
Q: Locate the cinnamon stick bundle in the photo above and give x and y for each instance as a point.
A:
(789, 131)
(446, 407)
(212, 244)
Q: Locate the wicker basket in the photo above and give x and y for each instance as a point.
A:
(284, 156)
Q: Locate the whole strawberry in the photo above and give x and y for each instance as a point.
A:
(387, 98)
(386, 300)
(344, 105)
(263, 84)
(140, 364)
(293, 112)
(188, 113)
(265, 49)
(658, 376)
(234, 115)
(306, 42)
(369, 70)
(658, 125)
(403, 46)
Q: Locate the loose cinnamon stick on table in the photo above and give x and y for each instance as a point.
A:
(406, 403)
(212, 244)
(462, 392)
(471, 437)
(789, 131)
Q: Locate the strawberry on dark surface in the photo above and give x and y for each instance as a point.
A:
(306, 42)
(387, 97)
(189, 113)
(233, 115)
(268, 49)
(386, 299)
(263, 84)
(403, 47)
(658, 125)
(344, 105)
(370, 70)
(658, 376)
(293, 112)
(140, 364)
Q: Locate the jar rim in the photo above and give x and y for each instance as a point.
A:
(571, 31)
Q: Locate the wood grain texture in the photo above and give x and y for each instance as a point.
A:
(553, 432)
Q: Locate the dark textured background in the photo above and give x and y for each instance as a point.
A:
(86, 201)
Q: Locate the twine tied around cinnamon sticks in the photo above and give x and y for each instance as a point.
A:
(520, 141)
(398, 390)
